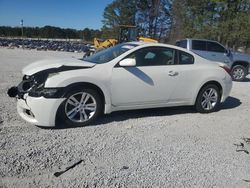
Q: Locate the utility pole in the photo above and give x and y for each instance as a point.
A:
(21, 23)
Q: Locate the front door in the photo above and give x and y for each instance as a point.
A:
(151, 81)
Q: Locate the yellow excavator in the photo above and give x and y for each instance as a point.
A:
(127, 33)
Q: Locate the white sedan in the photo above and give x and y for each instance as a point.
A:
(128, 76)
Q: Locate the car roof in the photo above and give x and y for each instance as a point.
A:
(197, 39)
(152, 44)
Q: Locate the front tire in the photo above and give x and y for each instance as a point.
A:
(208, 99)
(239, 73)
(81, 107)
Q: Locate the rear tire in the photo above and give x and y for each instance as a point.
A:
(80, 108)
(208, 99)
(238, 73)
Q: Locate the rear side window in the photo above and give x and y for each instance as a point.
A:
(199, 45)
(185, 58)
(182, 43)
(215, 47)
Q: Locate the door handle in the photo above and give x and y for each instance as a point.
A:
(172, 73)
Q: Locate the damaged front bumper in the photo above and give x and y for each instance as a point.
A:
(40, 110)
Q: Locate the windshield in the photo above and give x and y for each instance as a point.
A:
(109, 54)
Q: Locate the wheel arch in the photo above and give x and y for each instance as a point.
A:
(85, 85)
(78, 85)
(242, 63)
(214, 82)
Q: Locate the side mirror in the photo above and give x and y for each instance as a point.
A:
(129, 62)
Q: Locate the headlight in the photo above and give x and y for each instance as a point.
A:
(37, 83)
(49, 92)
(40, 78)
(46, 92)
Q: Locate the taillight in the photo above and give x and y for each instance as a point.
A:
(226, 68)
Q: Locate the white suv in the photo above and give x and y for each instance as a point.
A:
(239, 63)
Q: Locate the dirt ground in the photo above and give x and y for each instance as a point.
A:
(167, 147)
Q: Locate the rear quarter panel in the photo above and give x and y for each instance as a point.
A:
(198, 75)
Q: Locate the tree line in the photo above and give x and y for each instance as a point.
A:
(227, 21)
(152, 17)
(50, 32)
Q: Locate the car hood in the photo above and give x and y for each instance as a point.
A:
(54, 64)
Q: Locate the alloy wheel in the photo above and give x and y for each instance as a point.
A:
(80, 107)
(209, 99)
(238, 73)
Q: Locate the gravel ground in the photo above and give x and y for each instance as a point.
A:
(167, 147)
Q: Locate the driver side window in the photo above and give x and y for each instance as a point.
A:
(154, 56)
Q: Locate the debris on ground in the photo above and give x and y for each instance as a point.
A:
(241, 147)
(57, 174)
(247, 140)
(124, 168)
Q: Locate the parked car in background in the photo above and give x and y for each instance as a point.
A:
(50, 44)
(127, 76)
(239, 63)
